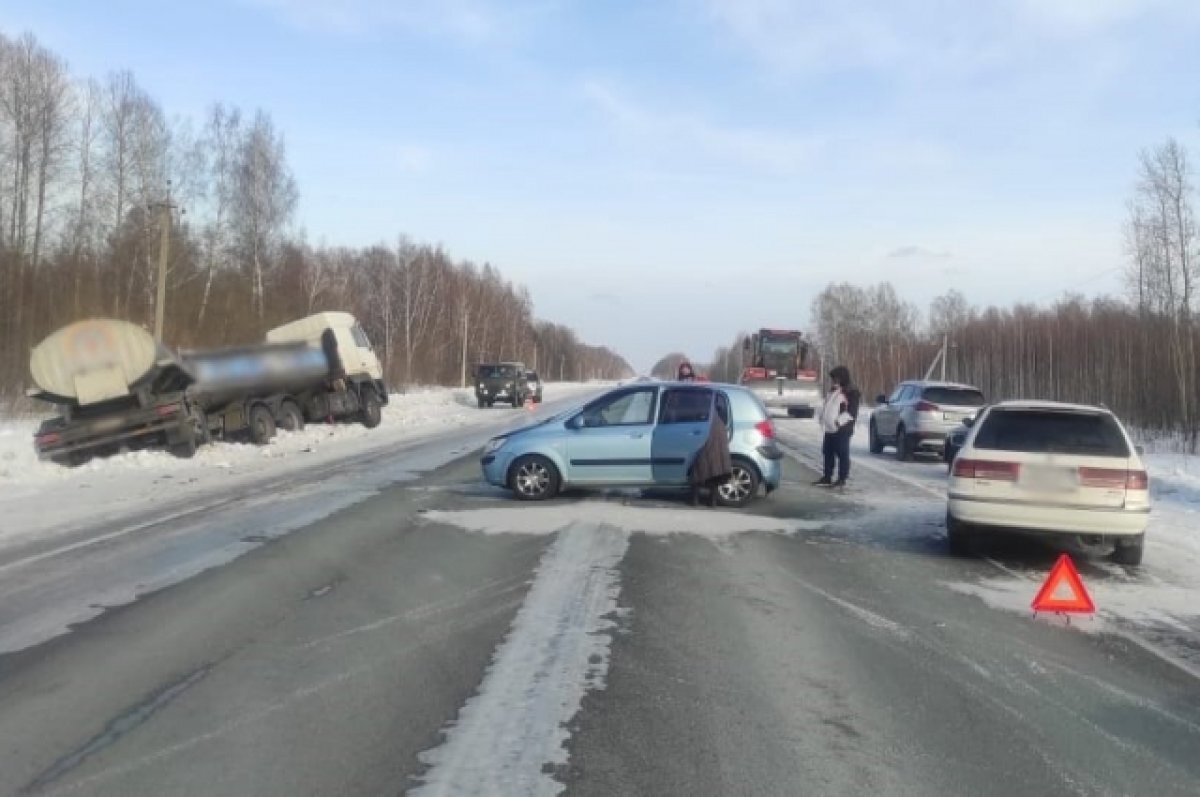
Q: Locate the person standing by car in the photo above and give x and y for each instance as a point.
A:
(685, 373)
(713, 465)
(839, 415)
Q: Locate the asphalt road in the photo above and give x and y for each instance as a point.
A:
(607, 644)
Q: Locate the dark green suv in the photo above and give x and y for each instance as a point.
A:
(503, 382)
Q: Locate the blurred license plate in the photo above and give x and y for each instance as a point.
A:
(953, 416)
(106, 424)
(1048, 479)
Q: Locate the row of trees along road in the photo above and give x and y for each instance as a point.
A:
(84, 164)
(1138, 354)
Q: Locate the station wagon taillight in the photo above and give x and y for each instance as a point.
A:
(926, 406)
(765, 428)
(47, 439)
(1114, 478)
(986, 469)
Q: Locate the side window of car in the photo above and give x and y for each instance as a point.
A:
(722, 405)
(898, 395)
(633, 408)
(685, 406)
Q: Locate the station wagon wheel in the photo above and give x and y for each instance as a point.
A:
(741, 486)
(533, 478)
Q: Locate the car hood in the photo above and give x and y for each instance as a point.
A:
(533, 427)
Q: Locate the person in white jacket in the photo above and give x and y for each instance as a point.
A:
(839, 414)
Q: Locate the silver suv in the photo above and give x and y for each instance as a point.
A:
(918, 416)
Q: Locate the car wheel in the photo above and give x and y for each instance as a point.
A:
(290, 418)
(876, 444)
(1129, 552)
(903, 445)
(262, 425)
(533, 478)
(957, 536)
(741, 487)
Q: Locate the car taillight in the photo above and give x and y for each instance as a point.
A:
(986, 469)
(167, 409)
(766, 428)
(47, 439)
(926, 406)
(1114, 478)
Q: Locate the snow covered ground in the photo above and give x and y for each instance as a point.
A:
(36, 497)
(1158, 602)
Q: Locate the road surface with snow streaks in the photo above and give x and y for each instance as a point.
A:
(430, 636)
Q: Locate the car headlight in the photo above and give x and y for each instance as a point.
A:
(495, 444)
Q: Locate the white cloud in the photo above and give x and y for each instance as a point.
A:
(691, 136)
(922, 37)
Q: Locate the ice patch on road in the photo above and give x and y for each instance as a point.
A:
(556, 651)
(543, 520)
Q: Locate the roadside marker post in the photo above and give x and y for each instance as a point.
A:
(1063, 577)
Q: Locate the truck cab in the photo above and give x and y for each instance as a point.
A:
(353, 347)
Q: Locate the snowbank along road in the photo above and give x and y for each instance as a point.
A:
(426, 634)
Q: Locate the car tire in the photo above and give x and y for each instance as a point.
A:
(185, 448)
(372, 409)
(533, 478)
(290, 418)
(1129, 552)
(903, 445)
(874, 440)
(262, 425)
(742, 486)
(958, 536)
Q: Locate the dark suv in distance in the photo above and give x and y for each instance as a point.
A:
(503, 382)
(535, 386)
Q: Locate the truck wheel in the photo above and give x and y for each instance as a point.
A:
(372, 410)
(262, 425)
(290, 418)
(186, 448)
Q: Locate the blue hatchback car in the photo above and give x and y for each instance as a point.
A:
(641, 435)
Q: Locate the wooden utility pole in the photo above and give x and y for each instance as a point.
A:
(164, 251)
(466, 318)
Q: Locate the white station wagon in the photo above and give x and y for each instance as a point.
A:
(1049, 468)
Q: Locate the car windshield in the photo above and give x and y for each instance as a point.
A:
(497, 372)
(954, 396)
(1057, 432)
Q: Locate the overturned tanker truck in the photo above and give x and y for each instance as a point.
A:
(114, 387)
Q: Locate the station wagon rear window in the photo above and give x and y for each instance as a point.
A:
(954, 396)
(1052, 432)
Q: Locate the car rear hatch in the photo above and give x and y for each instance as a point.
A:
(1055, 458)
(950, 405)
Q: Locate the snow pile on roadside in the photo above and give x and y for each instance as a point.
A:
(418, 412)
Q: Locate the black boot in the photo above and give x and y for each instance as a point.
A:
(823, 482)
(712, 494)
(695, 495)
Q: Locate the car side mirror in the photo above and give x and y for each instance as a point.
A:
(881, 399)
(575, 423)
(968, 422)
(1140, 450)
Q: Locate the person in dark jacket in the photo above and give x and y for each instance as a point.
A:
(685, 373)
(839, 415)
(713, 465)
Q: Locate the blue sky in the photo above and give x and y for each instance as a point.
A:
(663, 174)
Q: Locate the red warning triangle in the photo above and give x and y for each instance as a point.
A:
(1063, 578)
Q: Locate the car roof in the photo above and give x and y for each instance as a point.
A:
(936, 383)
(1055, 406)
